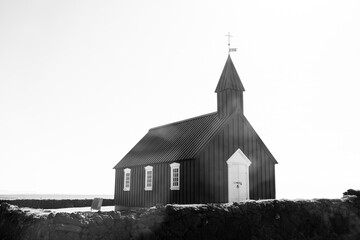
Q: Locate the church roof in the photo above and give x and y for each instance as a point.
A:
(172, 142)
(229, 78)
(180, 140)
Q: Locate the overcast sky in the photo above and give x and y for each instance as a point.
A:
(81, 82)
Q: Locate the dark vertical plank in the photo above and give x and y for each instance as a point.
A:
(121, 183)
(271, 180)
(157, 185)
(224, 149)
(122, 196)
(247, 142)
(236, 133)
(267, 162)
(241, 101)
(154, 189)
(220, 151)
(226, 103)
(117, 196)
(202, 177)
(216, 188)
(136, 191)
(152, 192)
(230, 136)
(258, 171)
(274, 182)
(160, 185)
(218, 174)
(128, 197)
(167, 181)
(229, 101)
(209, 172)
(188, 181)
(183, 176)
(219, 179)
(192, 181)
(261, 182)
(141, 190)
(251, 170)
(184, 189)
(206, 176)
(164, 180)
(133, 186)
(263, 175)
(214, 171)
(197, 179)
(164, 169)
(240, 133)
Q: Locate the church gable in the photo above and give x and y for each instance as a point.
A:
(236, 133)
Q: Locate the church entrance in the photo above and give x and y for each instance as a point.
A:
(238, 177)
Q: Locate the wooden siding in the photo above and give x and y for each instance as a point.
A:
(212, 160)
(205, 179)
(160, 193)
(227, 101)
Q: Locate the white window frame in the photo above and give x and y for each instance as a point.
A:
(147, 170)
(127, 171)
(174, 166)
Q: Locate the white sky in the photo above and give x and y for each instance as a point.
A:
(82, 81)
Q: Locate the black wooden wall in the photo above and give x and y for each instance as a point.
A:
(214, 179)
(204, 180)
(228, 100)
(160, 192)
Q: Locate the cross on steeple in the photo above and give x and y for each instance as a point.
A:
(230, 49)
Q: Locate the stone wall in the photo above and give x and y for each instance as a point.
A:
(54, 203)
(253, 220)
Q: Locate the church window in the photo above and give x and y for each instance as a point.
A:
(148, 178)
(175, 176)
(127, 175)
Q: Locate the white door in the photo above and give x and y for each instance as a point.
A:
(238, 177)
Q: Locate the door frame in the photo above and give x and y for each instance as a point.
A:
(239, 158)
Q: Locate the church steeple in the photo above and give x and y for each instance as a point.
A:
(229, 90)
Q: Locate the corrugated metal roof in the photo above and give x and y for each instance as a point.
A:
(172, 142)
(229, 78)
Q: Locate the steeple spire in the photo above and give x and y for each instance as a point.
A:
(229, 78)
(229, 90)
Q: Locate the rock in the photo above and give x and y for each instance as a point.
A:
(108, 220)
(67, 228)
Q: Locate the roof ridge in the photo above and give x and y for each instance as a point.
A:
(181, 121)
